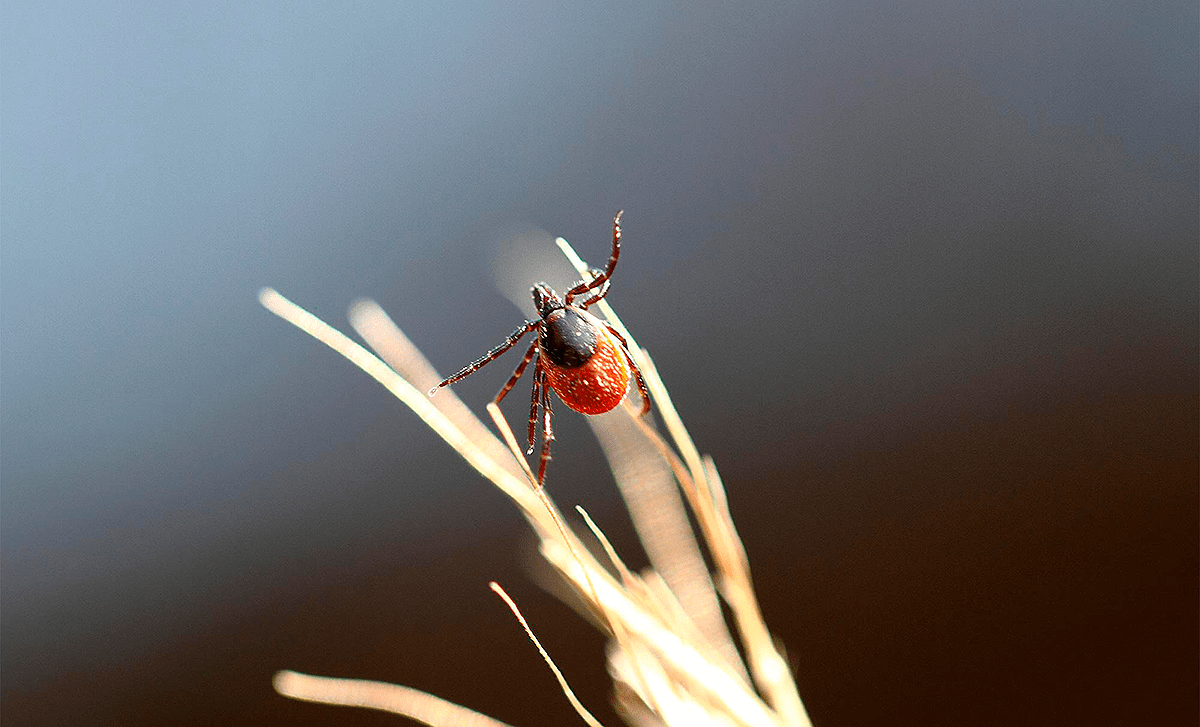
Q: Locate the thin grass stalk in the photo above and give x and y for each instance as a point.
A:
(562, 681)
(404, 701)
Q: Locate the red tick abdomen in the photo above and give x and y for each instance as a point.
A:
(599, 384)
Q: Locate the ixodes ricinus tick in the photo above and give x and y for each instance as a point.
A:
(582, 358)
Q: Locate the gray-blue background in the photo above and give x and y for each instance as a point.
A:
(922, 277)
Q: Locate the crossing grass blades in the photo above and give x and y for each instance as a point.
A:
(672, 655)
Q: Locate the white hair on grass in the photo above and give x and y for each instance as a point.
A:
(672, 658)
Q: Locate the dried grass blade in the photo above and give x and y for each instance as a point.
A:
(770, 669)
(415, 399)
(562, 681)
(389, 342)
(627, 576)
(404, 701)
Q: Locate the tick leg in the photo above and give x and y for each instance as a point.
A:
(512, 380)
(637, 373)
(538, 375)
(547, 429)
(490, 355)
(603, 290)
(598, 281)
(547, 436)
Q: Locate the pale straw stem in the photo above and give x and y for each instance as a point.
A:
(395, 348)
(562, 682)
(404, 701)
(404, 391)
(627, 575)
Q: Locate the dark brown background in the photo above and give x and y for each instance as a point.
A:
(923, 279)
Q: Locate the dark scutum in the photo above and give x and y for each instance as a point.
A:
(568, 339)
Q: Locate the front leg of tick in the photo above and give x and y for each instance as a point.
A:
(490, 356)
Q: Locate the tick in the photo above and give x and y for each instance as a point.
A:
(582, 358)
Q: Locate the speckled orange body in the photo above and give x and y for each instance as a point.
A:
(599, 384)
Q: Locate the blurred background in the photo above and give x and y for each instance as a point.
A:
(921, 277)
